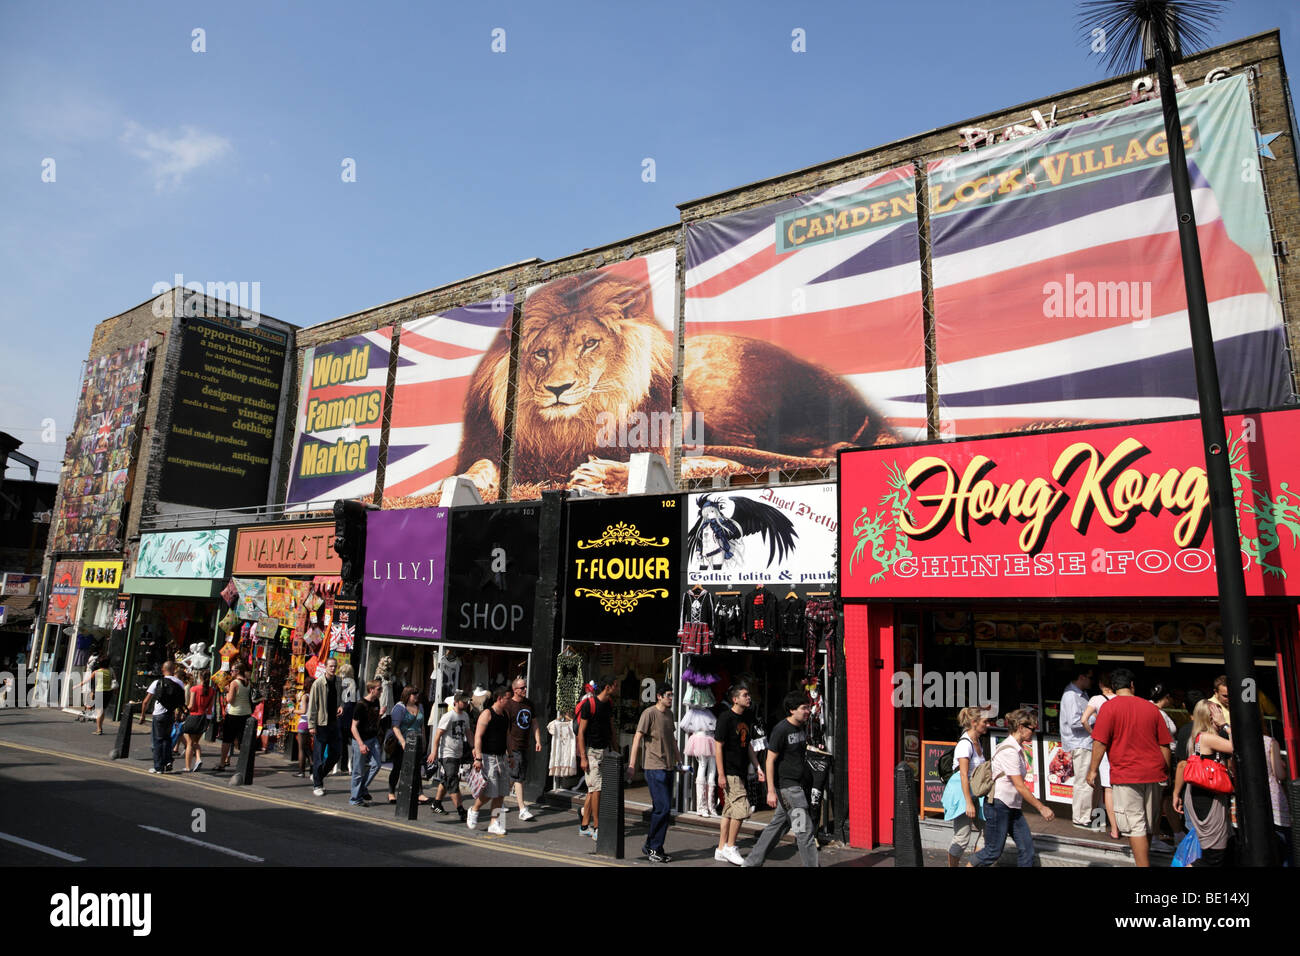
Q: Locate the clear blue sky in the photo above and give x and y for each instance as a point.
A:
(225, 165)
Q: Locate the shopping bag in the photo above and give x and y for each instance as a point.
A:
(1189, 850)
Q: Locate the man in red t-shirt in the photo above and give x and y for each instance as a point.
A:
(1132, 731)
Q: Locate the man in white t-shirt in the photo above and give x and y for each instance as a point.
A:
(449, 749)
(166, 700)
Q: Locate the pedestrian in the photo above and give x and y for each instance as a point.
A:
(239, 706)
(1103, 776)
(449, 750)
(364, 744)
(324, 710)
(656, 731)
(1208, 810)
(348, 694)
(168, 696)
(490, 737)
(1132, 733)
(199, 702)
(408, 720)
(595, 736)
(1078, 742)
(788, 780)
(1004, 808)
(734, 752)
(959, 804)
(303, 729)
(522, 726)
(100, 682)
(1220, 701)
(1164, 697)
(1277, 781)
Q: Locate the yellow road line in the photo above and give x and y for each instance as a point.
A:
(187, 779)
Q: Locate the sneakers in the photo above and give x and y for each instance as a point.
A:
(729, 855)
(1160, 846)
(658, 856)
(595, 834)
(439, 809)
(361, 803)
(198, 765)
(585, 831)
(526, 814)
(497, 826)
(461, 811)
(318, 792)
(154, 770)
(471, 819)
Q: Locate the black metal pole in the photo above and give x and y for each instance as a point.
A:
(1254, 815)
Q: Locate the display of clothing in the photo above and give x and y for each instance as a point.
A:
(568, 683)
(697, 607)
(447, 679)
(564, 748)
(727, 615)
(820, 619)
(698, 718)
(792, 621)
(761, 613)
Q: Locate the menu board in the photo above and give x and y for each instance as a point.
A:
(1118, 631)
(931, 783)
(99, 453)
(225, 414)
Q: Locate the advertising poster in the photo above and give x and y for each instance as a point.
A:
(1072, 233)
(1114, 511)
(340, 414)
(782, 535)
(1060, 771)
(804, 327)
(622, 580)
(405, 573)
(99, 452)
(437, 358)
(65, 590)
(183, 554)
(492, 575)
(225, 415)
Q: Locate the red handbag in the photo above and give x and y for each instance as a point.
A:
(1207, 773)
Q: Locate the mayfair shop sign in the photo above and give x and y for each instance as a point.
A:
(294, 548)
(183, 554)
(405, 572)
(1117, 511)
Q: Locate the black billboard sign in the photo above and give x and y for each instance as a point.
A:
(225, 414)
(492, 575)
(623, 569)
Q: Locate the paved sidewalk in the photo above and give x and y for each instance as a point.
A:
(553, 830)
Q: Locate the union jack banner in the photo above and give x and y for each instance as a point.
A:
(342, 636)
(119, 619)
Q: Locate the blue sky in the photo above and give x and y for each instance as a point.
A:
(225, 165)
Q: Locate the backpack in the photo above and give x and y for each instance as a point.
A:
(578, 714)
(981, 778)
(170, 697)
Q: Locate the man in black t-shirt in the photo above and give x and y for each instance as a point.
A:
(788, 779)
(364, 742)
(733, 750)
(595, 735)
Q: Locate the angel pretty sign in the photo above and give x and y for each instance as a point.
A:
(1118, 511)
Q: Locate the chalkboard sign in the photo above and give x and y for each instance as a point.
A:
(931, 783)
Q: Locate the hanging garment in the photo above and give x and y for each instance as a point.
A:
(726, 617)
(697, 607)
(699, 719)
(568, 683)
(695, 638)
(819, 616)
(792, 622)
(761, 609)
(564, 748)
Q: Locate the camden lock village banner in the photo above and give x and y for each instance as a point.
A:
(492, 575)
(1118, 511)
(623, 569)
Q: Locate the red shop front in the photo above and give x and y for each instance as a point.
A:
(1002, 563)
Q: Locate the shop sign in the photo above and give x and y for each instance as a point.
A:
(404, 573)
(20, 584)
(101, 574)
(932, 783)
(492, 575)
(293, 548)
(183, 554)
(782, 535)
(65, 589)
(1117, 511)
(623, 569)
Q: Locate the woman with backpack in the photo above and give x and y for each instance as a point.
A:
(960, 804)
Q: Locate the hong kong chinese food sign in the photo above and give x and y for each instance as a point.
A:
(1114, 511)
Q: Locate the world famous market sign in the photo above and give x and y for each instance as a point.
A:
(1117, 511)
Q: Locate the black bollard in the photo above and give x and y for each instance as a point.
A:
(1293, 797)
(247, 756)
(907, 820)
(609, 841)
(122, 748)
(408, 784)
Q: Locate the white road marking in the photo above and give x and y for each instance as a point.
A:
(43, 849)
(211, 846)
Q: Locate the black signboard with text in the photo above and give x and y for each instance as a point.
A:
(492, 575)
(225, 413)
(623, 569)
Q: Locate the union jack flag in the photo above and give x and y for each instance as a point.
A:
(342, 636)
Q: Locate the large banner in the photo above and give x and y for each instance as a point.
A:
(1117, 511)
(437, 358)
(340, 415)
(1058, 282)
(622, 580)
(492, 575)
(783, 535)
(803, 327)
(225, 414)
(596, 359)
(405, 572)
(65, 591)
(100, 452)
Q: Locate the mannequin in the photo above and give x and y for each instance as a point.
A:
(698, 724)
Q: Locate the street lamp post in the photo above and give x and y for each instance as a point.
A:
(1155, 30)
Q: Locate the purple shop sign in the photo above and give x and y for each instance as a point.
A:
(405, 567)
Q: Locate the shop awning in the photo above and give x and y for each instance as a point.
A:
(173, 587)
